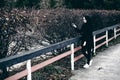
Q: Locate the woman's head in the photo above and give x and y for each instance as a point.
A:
(86, 19)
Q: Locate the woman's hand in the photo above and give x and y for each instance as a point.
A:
(73, 24)
(84, 43)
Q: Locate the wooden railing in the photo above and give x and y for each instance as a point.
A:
(32, 54)
(9, 61)
(105, 31)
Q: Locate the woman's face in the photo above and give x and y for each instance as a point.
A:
(84, 20)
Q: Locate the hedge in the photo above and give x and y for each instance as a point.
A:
(22, 29)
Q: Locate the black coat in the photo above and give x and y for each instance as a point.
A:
(86, 32)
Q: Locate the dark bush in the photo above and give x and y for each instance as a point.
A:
(27, 28)
(57, 23)
(10, 22)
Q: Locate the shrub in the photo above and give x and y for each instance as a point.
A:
(27, 28)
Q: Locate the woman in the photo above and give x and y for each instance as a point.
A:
(87, 39)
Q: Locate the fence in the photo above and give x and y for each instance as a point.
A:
(32, 54)
(105, 31)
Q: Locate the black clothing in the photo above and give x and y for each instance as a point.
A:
(86, 32)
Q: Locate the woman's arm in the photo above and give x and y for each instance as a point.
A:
(80, 31)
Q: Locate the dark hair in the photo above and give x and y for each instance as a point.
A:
(87, 18)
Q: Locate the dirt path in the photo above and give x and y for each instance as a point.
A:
(106, 66)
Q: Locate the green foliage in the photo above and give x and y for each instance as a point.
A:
(2, 3)
(112, 4)
(27, 3)
(77, 4)
(52, 3)
(93, 4)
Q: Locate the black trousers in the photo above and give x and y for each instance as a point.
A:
(87, 51)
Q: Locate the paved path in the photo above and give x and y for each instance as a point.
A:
(106, 66)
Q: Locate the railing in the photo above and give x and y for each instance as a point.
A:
(32, 54)
(105, 31)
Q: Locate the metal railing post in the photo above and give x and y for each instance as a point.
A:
(115, 33)
(94, 42)
(107, 38)
(29, 77)
(72, 57)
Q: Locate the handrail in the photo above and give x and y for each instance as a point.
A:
(115, 30)
(34, 53)
(104, 29)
